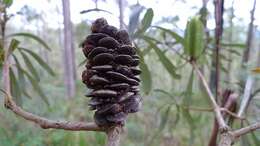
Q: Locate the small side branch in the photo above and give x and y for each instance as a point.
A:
(245, 130)
(47, 124)
(216, 107)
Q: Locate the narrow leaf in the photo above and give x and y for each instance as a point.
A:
(31, 36)
(167, 94)
(188, 93)
(30, 66)
(165, 61)
(36, 86)
(145, 75)
(147, 20)
(186, 114)
(94, 10)
(186, 102)
(234, 52)
(15, 88)
(13, 45)
(164, 118)
(175, 35)
(235, 45)
(21, 78)
(40, 61)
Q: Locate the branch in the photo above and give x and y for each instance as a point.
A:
(246, 98)
(113, 135)
(47, 124)
(219, 8)
(228, 102)
(216, 107)
(245, 130)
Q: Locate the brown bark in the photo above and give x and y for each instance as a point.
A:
(46, 123)
(113, 136)
(215, 73)
(228, 103)
(69, 55)
(6, 66)
(219, 9)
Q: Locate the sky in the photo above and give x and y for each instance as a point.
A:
(162, 8)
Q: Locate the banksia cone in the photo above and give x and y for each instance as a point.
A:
(112, 74)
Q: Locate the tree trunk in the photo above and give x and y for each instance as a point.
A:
(69, 55)
(215, 73)
(248, 84)
(246, 54)
(121, 13)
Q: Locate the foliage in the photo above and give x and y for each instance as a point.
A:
(20, 77)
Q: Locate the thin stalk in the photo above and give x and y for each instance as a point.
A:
(219, 4)
(216, 107)
(6, 78)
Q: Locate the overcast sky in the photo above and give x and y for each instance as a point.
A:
(162, 8)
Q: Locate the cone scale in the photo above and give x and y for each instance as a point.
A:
(111, 73)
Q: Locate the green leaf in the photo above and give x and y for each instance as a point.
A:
(146, 21)
(21, 78)
(223, 68)
(40, 61)
(235, 45)
(30, 66)
(15, 88)
(145, 76)
(255, 139)
(167, 94)
(233, 51)
(94, 10)
(188, 93)
(36, 86)
(186, 114)
(175, 35)
(164, 118)
(186, 103)
(165, 61)
(194, 38)
(8, 3)
(13, 45)
(146, 37)
(31, 36)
